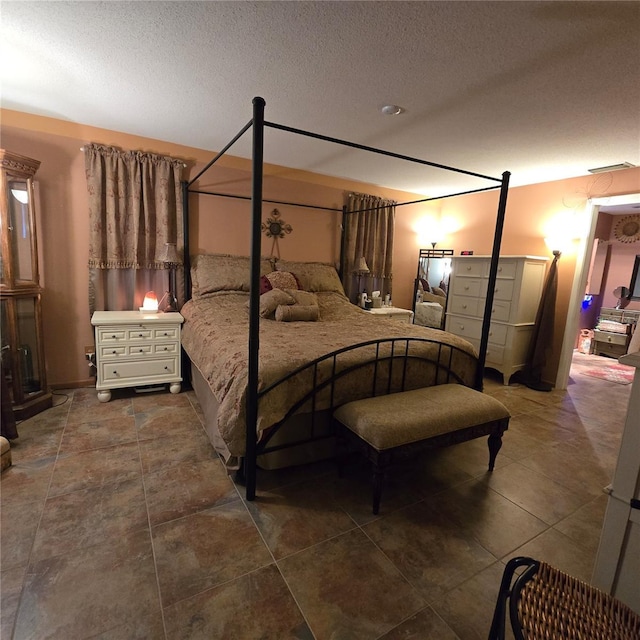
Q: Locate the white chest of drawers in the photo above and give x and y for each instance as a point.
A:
(517, 293)
(136, 349)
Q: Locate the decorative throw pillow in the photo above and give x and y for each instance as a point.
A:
(213, 272)
(313, 276)
(425, 285)
(438, 291)
(305, 298)
(282, 280)
(297, 313)
(265, 285)
(271, 300)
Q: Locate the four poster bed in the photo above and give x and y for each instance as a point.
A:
(268, 385)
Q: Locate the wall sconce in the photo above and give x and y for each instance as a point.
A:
(169, 256)
(150, 303)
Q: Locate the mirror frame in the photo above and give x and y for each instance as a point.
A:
(634, 286)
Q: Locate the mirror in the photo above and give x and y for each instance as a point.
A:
(430, 287)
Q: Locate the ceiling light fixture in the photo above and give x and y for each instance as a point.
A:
(612, 167)
(391, 110)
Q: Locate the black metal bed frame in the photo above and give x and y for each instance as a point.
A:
(257, 124)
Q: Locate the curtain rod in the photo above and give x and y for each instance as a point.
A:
(183, 164)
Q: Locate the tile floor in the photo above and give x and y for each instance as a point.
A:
(119, 523)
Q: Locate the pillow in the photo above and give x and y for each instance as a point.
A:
(297, 313)
(211, 272)
(313, 276)
(438, 292)
(425, 285)
(271, 300)
(280, 280)
(305, 298)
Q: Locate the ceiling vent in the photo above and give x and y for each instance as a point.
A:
(612, 167)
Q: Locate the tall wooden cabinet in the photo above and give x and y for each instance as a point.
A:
(517, 293)
(23, 364)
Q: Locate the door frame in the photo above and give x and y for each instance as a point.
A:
(583, 260)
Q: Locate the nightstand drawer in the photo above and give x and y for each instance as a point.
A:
(112, 351)
(166, 333)
(139, 333)
(611, 337)
(109, 335)
(165, 348)
(131, 370)
(137, 350)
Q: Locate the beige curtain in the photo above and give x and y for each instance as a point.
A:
(369, 227)
(135, 208)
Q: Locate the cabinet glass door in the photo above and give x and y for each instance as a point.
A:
(20, 232)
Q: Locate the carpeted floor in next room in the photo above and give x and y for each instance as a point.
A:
(119, 522)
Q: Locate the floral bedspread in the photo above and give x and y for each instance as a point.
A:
(215, 337)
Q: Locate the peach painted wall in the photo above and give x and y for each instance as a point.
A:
(221, 224)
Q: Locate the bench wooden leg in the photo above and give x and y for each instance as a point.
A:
(495, 443)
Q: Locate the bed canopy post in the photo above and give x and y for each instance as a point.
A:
(254, 297)
(186, 258)
(491, 285)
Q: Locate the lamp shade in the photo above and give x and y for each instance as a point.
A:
(169, 253)
(150, 302)
(362, 266)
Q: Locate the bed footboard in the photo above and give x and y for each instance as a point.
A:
(367, 369)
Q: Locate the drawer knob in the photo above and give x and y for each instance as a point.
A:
(466, 288)
(113, 337)
(165, 333)
(166, 368)
(166, 349)
(139, 335)
(468, 268)
(115, 373)
(114, 352)
(140, 350)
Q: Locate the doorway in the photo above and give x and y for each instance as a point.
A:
(583, 261)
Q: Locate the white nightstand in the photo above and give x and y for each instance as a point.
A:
(135, 349)
(395, 313)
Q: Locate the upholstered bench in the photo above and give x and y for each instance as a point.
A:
(392, 427)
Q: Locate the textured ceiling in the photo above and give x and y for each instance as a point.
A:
(545, 90)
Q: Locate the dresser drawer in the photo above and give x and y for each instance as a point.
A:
(470, 287)
(502, 291)
(471, 329)
(473, 267)
(495, 352)
(501, 310)
(466, 306)
(133, 370)
(506, 269)
(610, 337)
